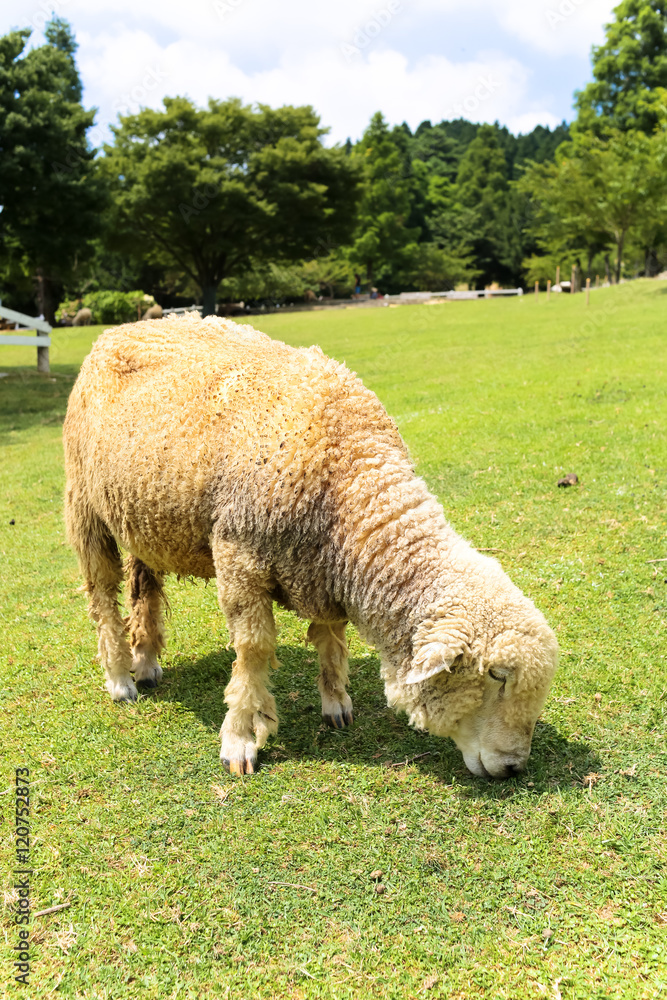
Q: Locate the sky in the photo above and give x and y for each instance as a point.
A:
(517, 61)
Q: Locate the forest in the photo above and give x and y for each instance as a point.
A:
(232, 202)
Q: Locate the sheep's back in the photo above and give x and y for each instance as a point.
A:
(175, 426)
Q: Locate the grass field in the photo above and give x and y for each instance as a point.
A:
(185, 883)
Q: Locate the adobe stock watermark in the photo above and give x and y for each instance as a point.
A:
(47, 10)
(132, 100)
(224, 8)
(486, 87)
(201, 200)
(565, 9)
(73, 158)
(370, 29)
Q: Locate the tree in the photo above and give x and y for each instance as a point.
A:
(218, 190)
(330, 273)
(383, 242)
(441, 146)
(600, 191)
(632, 184)
(567, 221)
(628, 67)
(482, 192)
(431, 268)
(49, 192)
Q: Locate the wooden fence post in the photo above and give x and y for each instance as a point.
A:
(573, 281)
(537, 289)
(43, 360)
(588, 291)
(548, 289)
(558, 274)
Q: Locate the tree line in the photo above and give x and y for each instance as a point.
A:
(232, 201)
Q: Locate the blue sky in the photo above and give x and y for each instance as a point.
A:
(518, 62)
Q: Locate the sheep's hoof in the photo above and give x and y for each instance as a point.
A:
(147, 682)
(238, 752)
(122, 690)
(339, 720)
(237, 766)
(147, 671)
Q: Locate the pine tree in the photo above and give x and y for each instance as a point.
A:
(384, 239)
(50, 196)
(483, 193)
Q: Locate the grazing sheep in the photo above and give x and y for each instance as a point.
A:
(207, 449)
(84, 317)
(153, 312)
(231, 309)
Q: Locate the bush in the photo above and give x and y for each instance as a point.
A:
(429, 268)
(108, 306)
(274, 282)
(330, 275)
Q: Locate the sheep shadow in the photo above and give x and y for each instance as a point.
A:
(378, 737)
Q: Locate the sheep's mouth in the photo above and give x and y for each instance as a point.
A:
(476, 767)
(483, 773)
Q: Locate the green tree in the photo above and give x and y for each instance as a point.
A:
(629, 169)
(330, 273)
(384, 241)
(600, 192)
(482, 192)
(219, 190)
(49, 190)
(628, 68)
(431, 268)
(566, 211)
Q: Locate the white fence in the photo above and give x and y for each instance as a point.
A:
(180, 310)
(414, 298)
(485, 293)
(40, 326)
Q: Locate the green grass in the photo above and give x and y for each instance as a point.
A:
(186, 883)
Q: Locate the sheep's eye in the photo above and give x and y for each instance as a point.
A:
(497, 677)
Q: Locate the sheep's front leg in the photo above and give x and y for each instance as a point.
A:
(245, 598)
(329, 641)
(252, 715)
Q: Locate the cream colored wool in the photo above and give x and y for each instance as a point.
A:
(205, 448)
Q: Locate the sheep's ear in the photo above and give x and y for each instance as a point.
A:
(432, 659)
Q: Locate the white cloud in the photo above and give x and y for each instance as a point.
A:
(345, 94)
(347, 59)
(559, 27)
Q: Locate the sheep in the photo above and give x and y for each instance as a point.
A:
(84, 317)
(206, 449)
(153, 312)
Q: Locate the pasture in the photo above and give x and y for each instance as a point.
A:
(185, 883)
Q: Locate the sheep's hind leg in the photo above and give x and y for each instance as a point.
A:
(146, 622)
(329, 641)
(245, 598)
(102, 569)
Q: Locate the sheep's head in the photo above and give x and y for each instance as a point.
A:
(484, 691)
